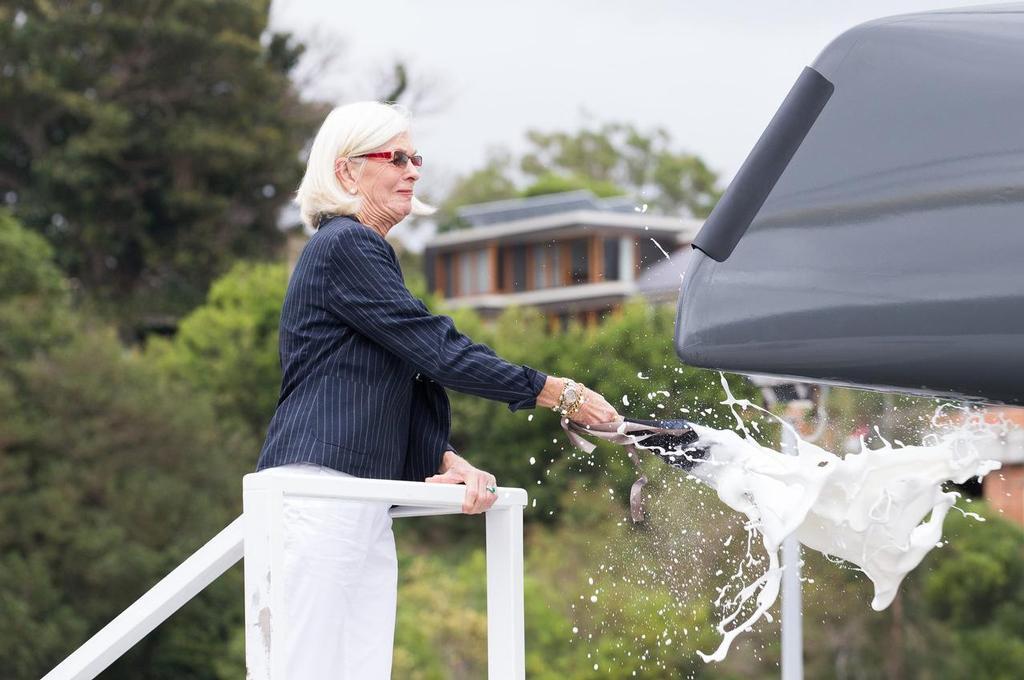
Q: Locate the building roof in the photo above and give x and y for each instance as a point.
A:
(684, 228)
(514, 209)
(520, 219)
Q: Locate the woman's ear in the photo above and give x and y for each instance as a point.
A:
(343, 171)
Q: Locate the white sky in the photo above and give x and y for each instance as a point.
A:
(712, 72)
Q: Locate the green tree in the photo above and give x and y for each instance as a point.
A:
(441, 629)
(34, 300)
(975, 591)
(554, 183)
(109, 477)
(110, 480)
(609, 159)
(152, 144)
(641, 162)
(227, 349)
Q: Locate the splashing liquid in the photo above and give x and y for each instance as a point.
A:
(868, 508)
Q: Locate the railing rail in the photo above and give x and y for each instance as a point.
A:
(257, 535)
(153, 608)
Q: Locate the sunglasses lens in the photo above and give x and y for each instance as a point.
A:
(400, 158)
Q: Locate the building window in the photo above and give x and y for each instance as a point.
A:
(539, 266)
(580, 262)
(449, 275)
(474, 272)
(518, 268)
(546, 273)
(611, 259)
(483, 271)
(465, 273)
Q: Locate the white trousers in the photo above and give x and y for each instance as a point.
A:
(341, 585)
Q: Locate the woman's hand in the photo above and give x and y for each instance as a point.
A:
(595, 410)
(456, 470)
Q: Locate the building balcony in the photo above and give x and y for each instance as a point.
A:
(559, 299)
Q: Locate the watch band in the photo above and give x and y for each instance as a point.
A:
(580, 400)
(561, 407)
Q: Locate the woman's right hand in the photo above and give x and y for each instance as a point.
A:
(595, 410)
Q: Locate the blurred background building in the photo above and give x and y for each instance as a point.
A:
(571, 255)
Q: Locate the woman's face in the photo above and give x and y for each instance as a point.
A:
(386, 189)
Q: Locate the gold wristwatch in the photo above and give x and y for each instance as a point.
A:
(571, 398)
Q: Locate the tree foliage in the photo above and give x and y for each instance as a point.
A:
(152, 144)
(641, 162)
(609, 159)
(227, 348)
(441, 630)
(975, 591)
(31, 287)
(109, 477)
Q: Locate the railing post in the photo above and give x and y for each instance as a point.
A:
(792, 663)
(264, 598)
(506, 659)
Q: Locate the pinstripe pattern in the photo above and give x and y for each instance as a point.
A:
(364, 363)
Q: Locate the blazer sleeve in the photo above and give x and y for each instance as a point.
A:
(366, 291)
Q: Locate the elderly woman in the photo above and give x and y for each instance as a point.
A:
(365, 366)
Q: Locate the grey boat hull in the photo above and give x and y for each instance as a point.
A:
(875, 235)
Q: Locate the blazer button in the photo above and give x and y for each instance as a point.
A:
(418, 377)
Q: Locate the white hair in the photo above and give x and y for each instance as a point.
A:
(348, 130)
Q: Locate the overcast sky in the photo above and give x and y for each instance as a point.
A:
(712, 72)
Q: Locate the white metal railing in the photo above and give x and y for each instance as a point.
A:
(265, 613)
(257, 535)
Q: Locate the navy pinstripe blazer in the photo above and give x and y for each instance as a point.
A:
(365, 364)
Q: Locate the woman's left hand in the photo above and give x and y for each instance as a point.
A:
(458, 471)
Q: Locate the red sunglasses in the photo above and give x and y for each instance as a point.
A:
(396, 158)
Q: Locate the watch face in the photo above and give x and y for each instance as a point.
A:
(570, 394)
